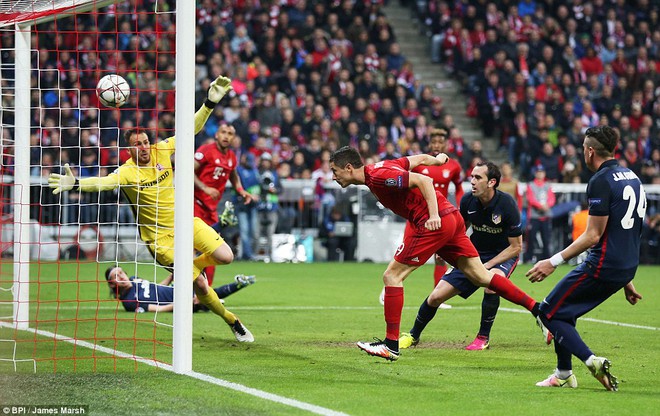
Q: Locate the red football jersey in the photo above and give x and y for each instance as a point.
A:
(388, 180)
(214, 170)
(443, 175)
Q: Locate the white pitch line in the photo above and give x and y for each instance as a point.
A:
(600, 321)
(193, 374)
(347, 308)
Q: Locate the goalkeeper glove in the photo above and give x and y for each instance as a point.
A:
(228, 218)
(219, 87)
(62, 183)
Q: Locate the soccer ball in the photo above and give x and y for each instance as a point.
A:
(113, 91)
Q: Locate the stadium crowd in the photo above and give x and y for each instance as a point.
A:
(311, 76)
(543, 72)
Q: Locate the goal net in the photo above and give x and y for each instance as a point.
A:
(57, 311)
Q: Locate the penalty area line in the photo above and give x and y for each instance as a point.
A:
(193, 374)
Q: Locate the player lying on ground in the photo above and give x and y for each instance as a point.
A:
(146, 179)
(138, 295)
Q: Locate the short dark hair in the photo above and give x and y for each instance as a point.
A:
(606, 140)
(438, 132)
(492, 172)
(131, 132)
(345, 155)
(113, 287)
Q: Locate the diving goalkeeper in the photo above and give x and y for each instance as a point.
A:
(146, 179)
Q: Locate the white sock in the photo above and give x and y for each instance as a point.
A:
(590, 361)
(563, 374)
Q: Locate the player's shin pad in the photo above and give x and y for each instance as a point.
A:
(212, 301)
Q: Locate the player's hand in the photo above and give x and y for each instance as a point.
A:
(62, 183)
(247, 198)
(632, 296)
(443, 158)
(433, 223)
(212, 192)
(540, 271)
(219, 87)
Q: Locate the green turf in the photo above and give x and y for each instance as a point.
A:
(306, 319)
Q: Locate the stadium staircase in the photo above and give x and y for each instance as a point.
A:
(416, 47)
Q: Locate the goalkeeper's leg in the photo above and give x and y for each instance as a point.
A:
(210, 299)
(213, 248)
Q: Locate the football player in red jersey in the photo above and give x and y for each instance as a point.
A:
(442, 176)
(433, 226)
(215, 164)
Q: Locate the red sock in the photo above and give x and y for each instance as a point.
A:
(393, 308)
(505, 288)
(438, 272)
(210, 272)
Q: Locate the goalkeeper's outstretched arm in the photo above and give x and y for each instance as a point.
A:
(67, 182)
(218, 89)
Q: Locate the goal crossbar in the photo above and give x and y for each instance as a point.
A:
(29, 12)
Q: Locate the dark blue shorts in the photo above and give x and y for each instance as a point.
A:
(457, 279)
(582, 289)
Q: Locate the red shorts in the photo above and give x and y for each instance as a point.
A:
(449, 242)
(209, 217)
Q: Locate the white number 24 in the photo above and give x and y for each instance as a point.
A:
(628, 221)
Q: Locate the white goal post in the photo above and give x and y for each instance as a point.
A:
(23, 14)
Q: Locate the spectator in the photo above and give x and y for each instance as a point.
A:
(338, 240)
(248, 219)
(540, 200)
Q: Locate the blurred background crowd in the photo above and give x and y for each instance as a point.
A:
(311, 76)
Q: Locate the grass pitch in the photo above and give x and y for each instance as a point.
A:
(306, 319)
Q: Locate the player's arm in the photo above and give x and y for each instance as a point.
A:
(218, 89)
(458, 184)
(168, 280)
(513, 250)
(425, 186)
(238, 187)
(67, 182)
(427, 160)
(160, 308)
(199, 184)
(595, 228)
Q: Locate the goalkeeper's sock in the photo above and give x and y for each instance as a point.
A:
(204, 260)
(212, 301)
